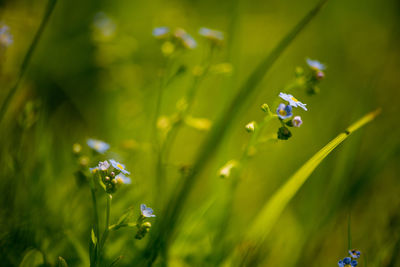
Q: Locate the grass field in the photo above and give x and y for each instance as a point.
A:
(255, 133)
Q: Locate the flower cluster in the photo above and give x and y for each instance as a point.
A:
(285, 111)
(142, 225)
(178, 38)
(310, 78)
(352, 260)
(6, 39)
(112, 174)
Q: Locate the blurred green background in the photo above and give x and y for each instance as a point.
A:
(80, 87)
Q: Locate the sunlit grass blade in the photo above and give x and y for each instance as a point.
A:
(271, 211)
(174, 206)
(27, 59)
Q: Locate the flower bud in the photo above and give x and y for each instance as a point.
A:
(76, 148)
(284, 133)
(251, 127)
(299, 71)
(146, 225)
(319, 75)
(297, 122)
(226, 170)
(84, 161)
(167, 48)
(265, 108)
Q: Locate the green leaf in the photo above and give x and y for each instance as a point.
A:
(94, 238)
(32, 258)
(271, 211)
(61, 262)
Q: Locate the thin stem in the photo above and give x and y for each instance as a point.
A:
(106, 228)
(190, 96)
(95, 219)
(166, 146)
(49, 9)
(224, 222)
(159, 99)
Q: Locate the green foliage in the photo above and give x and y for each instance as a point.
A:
(219, 172)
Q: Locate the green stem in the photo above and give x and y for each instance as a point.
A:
(95, 220)
(106, 228)
(190, 96)
(235, 181)
(49, 9)
(166, 146)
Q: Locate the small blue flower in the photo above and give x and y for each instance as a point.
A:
(340, 263)
(6, 39)
(146, 212)
(354, 263)
(315, 64)
(98, 145)
(292, 101)
(122, 179)
(355, 254)
(284, 111)
(347, 260)
(212, 35)
(104, 165)
(160, 32)
(119, 166)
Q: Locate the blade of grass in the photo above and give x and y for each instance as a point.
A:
(25, 63)
(271, 211)
(349, 246)
(174, 206)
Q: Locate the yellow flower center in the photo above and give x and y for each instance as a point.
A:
(294, 99)
(120, 166)
(97, 145)
(282, 112)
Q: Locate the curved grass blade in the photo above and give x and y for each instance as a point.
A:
(174, 207)
(276, 204)
(49, 10)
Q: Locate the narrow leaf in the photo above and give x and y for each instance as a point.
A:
(271, 211)
(94, 238)
(32, 258)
